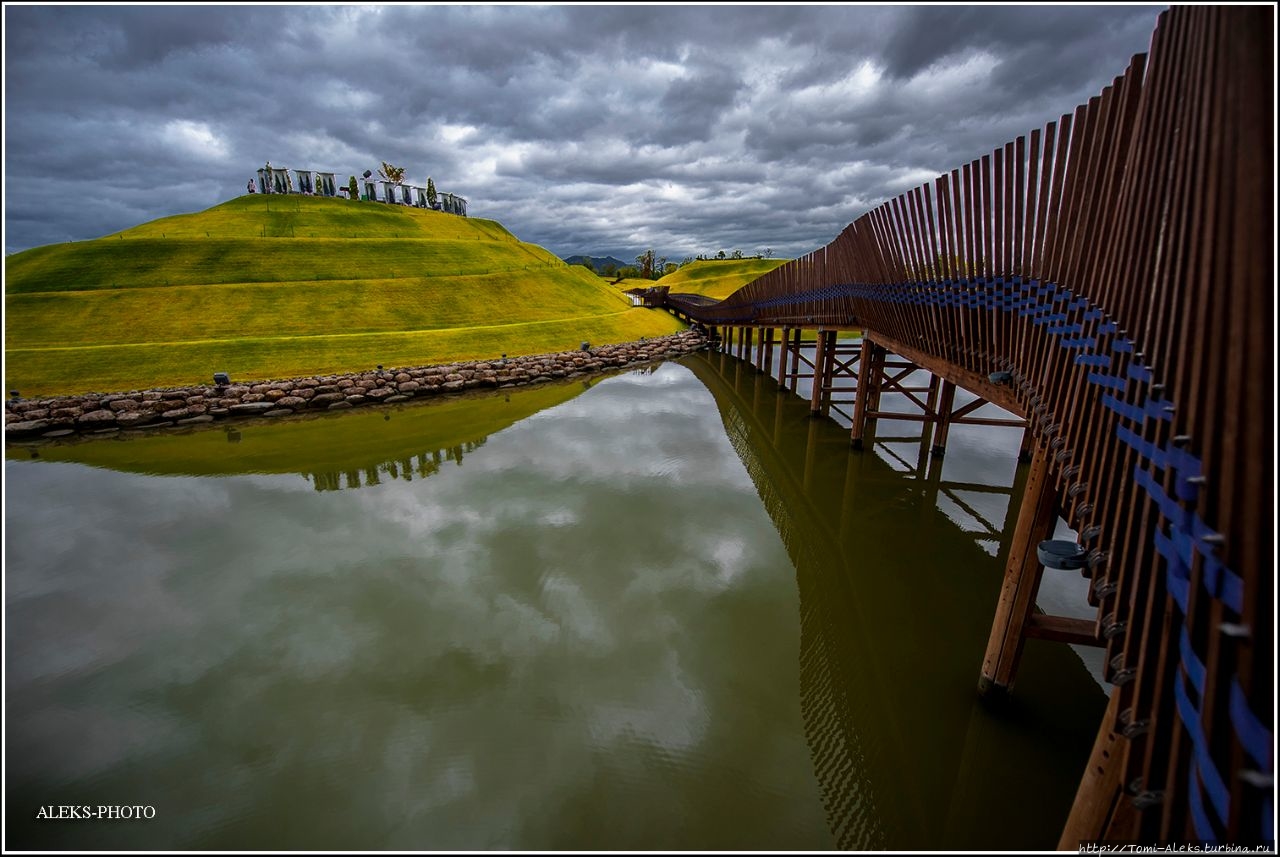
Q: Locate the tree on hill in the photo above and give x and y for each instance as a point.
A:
(390, 173)
(645, 263)
(586, 263)
(431, 192)
(353, 190)
(650, 265)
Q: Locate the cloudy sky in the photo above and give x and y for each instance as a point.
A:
(604, 129)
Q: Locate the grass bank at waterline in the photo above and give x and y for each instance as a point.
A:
(274, 286)
(179, 407)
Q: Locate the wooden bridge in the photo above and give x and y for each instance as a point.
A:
(1107, 280)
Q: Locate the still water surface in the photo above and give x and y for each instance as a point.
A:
(662, 610)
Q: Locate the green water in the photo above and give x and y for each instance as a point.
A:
(664, 610)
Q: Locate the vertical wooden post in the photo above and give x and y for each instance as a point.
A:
(861, 394)
(782, 357)
(760, 350)
(794, 374)
(768, 351)
(819, 373)
(876, 379)
(829, 372)
(1036, 519)
(945, 402)
(750, 335)
(1028, 442)
(930, 418)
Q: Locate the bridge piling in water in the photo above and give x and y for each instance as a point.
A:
(1015, 611)
(864, 388)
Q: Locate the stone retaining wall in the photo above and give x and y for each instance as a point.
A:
(99, 412)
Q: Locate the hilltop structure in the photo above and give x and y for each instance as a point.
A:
(317, 183)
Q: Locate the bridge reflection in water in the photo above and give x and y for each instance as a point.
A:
(894, 599)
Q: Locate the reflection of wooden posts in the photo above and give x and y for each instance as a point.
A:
(1036, 520)
(945, 401)
(810, 454)
(777, 421)
(861, 394)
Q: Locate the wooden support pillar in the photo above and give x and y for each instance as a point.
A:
(760, 350)
(1028, 442)
(945, 402)
(768, 351)
(750, 336)
(820, 378)
(782, 357)
(795, 360)
(1037, 517)
(878, 356)
(828, 371)
(861, 394)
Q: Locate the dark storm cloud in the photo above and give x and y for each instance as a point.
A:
(599, 129)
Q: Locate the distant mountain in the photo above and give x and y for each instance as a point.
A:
(599, 263)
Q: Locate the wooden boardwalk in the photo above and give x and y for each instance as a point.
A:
(1109, 280)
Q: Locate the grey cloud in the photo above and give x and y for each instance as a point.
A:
(589, 129)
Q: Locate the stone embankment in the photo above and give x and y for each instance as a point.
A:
(149, 409)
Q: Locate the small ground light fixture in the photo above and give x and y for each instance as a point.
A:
(1061, 554)
(221, 379)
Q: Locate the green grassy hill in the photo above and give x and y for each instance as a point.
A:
(718, 278)
(269, 286)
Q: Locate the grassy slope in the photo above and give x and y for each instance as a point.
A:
(172, 301)
(718, 278)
